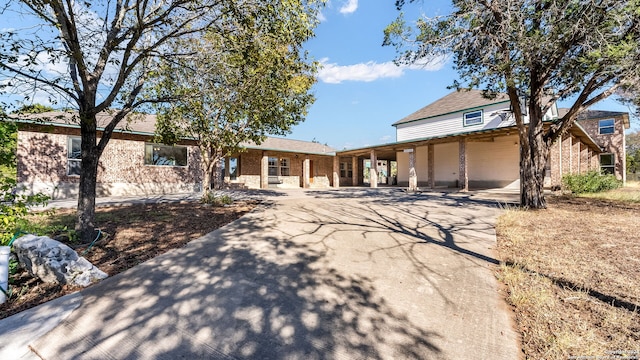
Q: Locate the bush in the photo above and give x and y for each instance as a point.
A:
(211, 198)
(590, 182)
(14, 209)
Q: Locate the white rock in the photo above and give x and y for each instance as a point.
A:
(55, 262)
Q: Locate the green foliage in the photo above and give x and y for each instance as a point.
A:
(34, 109)
(257, 84)
(591, 182)
(211, 198)
(537, 50)
(8, 143)
(14, 209)
(633, 152)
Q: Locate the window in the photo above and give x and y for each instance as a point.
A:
(273, 166)
(233, 168)
(606, 126)
(74, 164)
(279, 167)
(163, 155)
(284, 167)
(607, 163)
(346, 169)
(473, 118)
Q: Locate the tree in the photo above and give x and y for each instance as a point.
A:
(538, 52)
(239, 87)
(633, 152)
(99, 56)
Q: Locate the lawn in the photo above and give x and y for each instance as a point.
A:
(572, 273)
(132, 234)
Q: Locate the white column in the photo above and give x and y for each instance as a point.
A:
(373, 171)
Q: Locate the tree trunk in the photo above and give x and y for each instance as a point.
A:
(85, 227)
(218, 178)
(534, 152)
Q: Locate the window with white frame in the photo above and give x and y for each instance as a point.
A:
(279, 166)
(473, 118)
(346, 169)
(284, 166)
(606, 126)
(607, 163)
(164, 155)
(273, 166)
(74, 162)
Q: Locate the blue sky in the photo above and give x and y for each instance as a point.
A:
(360, 93)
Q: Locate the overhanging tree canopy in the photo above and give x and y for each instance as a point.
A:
(539, 50)
(99, 56)
(239, 88)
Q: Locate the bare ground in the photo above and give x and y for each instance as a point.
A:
(573, 277)
(133, 234)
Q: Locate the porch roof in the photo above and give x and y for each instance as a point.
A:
(388, 151)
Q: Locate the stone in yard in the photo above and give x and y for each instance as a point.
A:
(54, 262)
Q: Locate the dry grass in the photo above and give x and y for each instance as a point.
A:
(573, 277)
(136, 233)
(629, 193)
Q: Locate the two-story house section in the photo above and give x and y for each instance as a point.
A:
(607, 129)
(466, 141)
(492, 156)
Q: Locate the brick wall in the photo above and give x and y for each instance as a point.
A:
(250, 163)
(610, 143)
(42, 166)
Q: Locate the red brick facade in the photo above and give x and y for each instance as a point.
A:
(42, 166)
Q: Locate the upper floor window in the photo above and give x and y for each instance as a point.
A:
(473, 118)
(74, 162)
(164, 155)
(606, 126)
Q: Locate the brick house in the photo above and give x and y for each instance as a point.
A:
(48, 157)
(464, 140)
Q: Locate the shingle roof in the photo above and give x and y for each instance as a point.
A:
(456, 101)
(597, 114)
(135, 123)
(289, 145)
(145, 124)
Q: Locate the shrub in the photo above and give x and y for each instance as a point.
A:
(590, 182)
(14, 209)
(211, 198)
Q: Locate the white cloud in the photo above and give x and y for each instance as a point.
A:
(385, 138)
(333, 73)
(349, 7)
(321, 17)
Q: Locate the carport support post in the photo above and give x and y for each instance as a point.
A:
(373, 170)
(264, 171)
(336, 172)
(431, 166)
(463, 183)
(413, 177)
(305, 172)
(354, 173)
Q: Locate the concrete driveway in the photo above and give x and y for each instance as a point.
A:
(347, 274)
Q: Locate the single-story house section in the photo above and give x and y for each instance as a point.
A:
(48, 157)
(464, 140)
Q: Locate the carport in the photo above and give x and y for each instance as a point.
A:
(456, 161)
